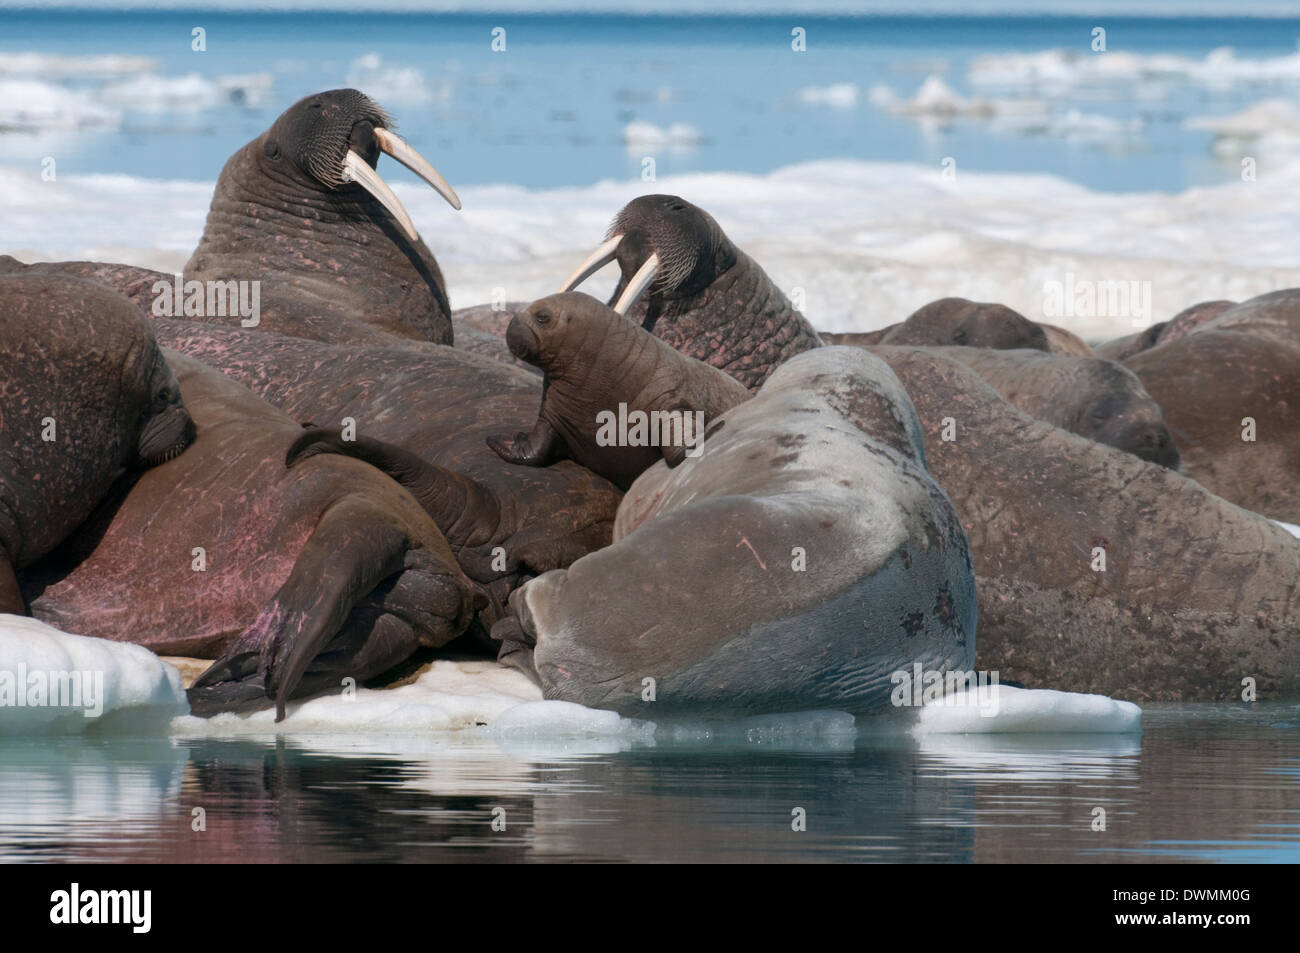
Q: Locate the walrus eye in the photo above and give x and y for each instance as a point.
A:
(272, 150)
(543, 317)
(679, 208)
(959, 336)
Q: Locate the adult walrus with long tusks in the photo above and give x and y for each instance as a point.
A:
(85, 395)
(1097, 399)
(292, 580)
(801, 561)
(685, 281)
(1097, 571)
(302, 209)
(303, 237)
(1230, 390)
(599, 369)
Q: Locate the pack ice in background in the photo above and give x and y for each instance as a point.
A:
(909, 152)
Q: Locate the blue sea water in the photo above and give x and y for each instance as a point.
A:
(553, 107)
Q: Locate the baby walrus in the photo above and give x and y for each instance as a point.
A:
(615, 398)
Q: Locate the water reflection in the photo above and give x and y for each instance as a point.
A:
(1201, 784)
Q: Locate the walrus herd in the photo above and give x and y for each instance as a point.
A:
(706, 505)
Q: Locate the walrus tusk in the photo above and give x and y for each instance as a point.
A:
(597, 260)
(358, 170)
(640, 281)
(403, 153)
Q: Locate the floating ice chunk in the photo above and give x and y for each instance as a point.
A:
(448, 696)
(839, 95)
(1001, 709)
(1060, 72)
(58, 66)
(387, 83)
(556, 719)
(937, 98)
(30, 105)
(679, 135)
(189, 93)
(55, 682)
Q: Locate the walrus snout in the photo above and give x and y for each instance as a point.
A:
(522, 339)
(1147, 441)
(165, 436)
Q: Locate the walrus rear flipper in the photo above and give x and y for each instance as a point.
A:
(458, 505)
(352, 550)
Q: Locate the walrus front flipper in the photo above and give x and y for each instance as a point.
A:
(11, 597)
(352, 550)
(541, 447)
(458, 505)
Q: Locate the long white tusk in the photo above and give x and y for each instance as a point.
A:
(640, 281)
(358, 170)
(597, 260)
(403, 153)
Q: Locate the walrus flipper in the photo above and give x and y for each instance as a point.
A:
(458, 504)
(541, 447)
(351, 551)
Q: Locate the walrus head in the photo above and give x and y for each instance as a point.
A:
(1126, 417)
(964, 323)
(536, 335)
(332, 140)
(166, 428)
(662, 243)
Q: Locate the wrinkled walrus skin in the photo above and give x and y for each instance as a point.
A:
(325, 250)
(596, 362)
(1095, 398)
(708, 299)
(1213, 382)
(702, 589)
(291, 579)
(84, 395)
(504, 523)
(1196, 593)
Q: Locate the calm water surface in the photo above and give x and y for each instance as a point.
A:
(1203, 783)
(552, 108)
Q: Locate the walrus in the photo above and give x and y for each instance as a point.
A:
(964, 323)
(1065, 343)
(600, 368)
(439, 404)
(302, 210)
(86, 396)
(1230, 391)
(1162, 332)
(684, 281)
(1097, 571)
(800, 562)
(1095, 398)
(290, 579)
